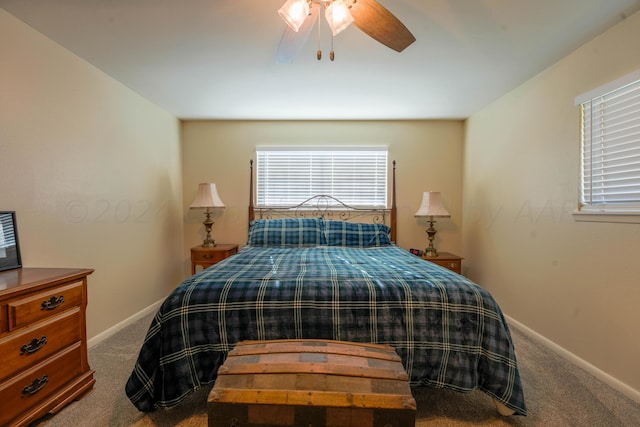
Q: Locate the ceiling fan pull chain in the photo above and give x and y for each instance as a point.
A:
(331, 54)
(319, 52)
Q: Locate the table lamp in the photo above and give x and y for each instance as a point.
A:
(431, 208)
(207, 198)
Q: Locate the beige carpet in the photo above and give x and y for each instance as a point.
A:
(557, 392)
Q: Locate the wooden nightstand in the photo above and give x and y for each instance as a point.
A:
(207, 256)
(447, 260)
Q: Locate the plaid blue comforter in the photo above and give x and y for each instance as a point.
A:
(448, 331)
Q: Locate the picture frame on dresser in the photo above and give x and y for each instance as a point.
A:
(9, 244)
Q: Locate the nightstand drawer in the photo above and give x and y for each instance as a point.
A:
(37, 307)
(209, 257)
(451, 265)
(447, 260)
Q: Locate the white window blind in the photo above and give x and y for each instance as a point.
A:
(610, 178)
(357, 177)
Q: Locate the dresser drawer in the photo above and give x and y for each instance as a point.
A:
(39, 306)
(35, 343)
(3, 318)
(35, 385)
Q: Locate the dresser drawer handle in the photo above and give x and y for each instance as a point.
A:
(52, 303)
(35, 345)
(35, 386)
(207, 256)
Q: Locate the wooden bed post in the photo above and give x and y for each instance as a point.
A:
(393, 205)
(251, 212)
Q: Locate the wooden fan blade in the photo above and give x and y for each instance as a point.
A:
(380, 24)
(291, 42)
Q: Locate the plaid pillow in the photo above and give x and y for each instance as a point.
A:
(286, 232)
(360, 235)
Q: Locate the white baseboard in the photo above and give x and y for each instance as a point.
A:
(126, 322)
(612, 382)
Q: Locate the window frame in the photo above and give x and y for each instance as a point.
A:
(603, 211)
(381, 174)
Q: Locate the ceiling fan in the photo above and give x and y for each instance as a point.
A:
(368, 15)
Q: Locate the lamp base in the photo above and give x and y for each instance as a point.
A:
(431, 251)
(208, 223)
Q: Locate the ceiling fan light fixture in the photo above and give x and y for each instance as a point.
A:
(338, 16)
(294, 13)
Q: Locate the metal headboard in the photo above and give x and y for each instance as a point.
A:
(328, 207)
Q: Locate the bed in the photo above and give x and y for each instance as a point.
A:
(315, 277)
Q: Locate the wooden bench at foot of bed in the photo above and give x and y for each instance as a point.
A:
(311, 383)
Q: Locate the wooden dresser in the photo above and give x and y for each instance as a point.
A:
(43, 343)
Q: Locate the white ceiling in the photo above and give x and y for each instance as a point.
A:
(215, 59)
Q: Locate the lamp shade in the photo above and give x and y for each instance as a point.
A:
(338, 16)
(432, 205)
(207, 197)
(294, 13)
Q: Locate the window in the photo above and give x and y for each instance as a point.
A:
(610, 175)
(356, 176)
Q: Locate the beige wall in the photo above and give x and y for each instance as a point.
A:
(576, 283)
(93, 172)
(428, 155)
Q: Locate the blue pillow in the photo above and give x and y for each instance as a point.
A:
(286, 232)
(359, 235)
